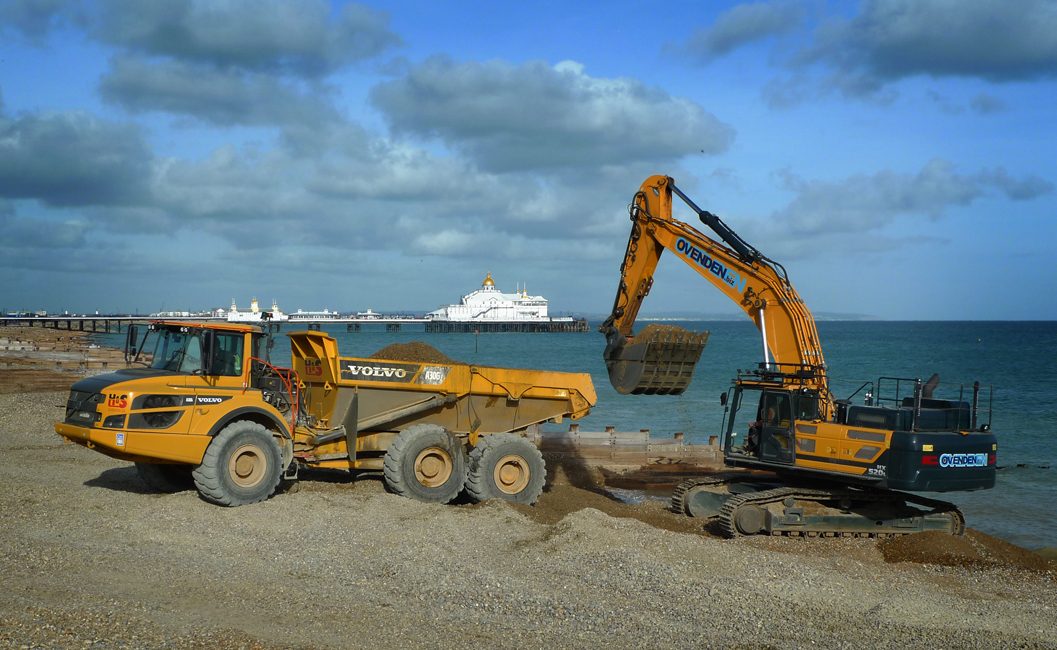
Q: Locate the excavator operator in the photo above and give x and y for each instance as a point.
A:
(772, 412)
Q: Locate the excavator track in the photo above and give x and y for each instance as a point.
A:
(812, 512)
(685, 487)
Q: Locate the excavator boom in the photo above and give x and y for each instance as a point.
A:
(662, 360)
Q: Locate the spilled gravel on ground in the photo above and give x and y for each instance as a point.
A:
(89, 557)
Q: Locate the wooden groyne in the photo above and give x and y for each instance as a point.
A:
(37, 349)
(630, 459)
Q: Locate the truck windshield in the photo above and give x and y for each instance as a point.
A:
(176, 350)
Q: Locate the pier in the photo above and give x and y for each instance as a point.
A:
(394, 323)
(553, 325)
(97, 323)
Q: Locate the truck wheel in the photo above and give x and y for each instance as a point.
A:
(166, 478)
(240, 466)
(506, 466)
(427, 463)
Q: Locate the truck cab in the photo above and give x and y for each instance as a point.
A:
(184, 382)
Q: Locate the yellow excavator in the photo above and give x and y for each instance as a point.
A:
(809, 464)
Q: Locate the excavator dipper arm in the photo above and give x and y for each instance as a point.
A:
(664, 362)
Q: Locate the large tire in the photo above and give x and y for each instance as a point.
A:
(166, 478)
(426, 463)
(506, 466)
(242, 465)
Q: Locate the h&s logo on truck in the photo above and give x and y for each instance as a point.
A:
(115, 401)
(313, 367)
(703, 259)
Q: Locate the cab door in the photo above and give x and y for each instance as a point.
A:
(777, 442)
(217, 392)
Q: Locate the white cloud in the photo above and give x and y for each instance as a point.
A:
(221, 97)
(33, 19)
(744, 24)
(535, 116)
(73, 159)
(863, 55)
(986, 104)
(864, 203)
(34, 233)
(856, 214)
(986, 39)
(275, 36)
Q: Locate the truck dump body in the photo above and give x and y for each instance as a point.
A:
(380, 397)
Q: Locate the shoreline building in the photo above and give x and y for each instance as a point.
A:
(255, 315)
(490, 310)
(324, 315)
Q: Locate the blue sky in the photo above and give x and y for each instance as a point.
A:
(895, 156)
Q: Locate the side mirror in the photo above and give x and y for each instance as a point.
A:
(130, 343)
(208, 350)
(723, 399)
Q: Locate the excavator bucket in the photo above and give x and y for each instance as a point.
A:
(659, 361)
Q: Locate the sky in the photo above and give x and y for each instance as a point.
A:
(895, 156)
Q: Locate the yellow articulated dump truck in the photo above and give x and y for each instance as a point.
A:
(201, 404)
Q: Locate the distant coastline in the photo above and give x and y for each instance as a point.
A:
(707, 316)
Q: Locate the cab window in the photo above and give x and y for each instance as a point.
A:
(191, 360)
(774, 409)
(806, 406)
(228, 358)
(178, 350)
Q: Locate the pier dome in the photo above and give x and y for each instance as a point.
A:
(489, 304)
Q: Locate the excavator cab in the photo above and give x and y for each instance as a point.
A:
(761, 422)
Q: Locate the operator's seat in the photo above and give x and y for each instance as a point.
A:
(226, 364)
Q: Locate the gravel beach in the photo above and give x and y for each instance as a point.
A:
(91, 558)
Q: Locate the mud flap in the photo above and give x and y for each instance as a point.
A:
(660, 361)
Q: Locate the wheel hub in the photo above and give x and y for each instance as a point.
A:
(433, 467)
(248, 466)
(511, 474)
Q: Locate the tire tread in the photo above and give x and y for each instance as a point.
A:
(480, 484)
(209, 475)
(404, 445)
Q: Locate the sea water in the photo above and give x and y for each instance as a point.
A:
(1014, 357)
